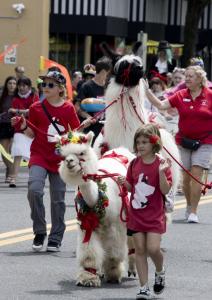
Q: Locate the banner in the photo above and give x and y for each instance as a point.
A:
(46, 63)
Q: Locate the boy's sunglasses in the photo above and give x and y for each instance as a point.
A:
(49, 85)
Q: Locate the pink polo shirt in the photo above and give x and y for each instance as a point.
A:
(195, 116)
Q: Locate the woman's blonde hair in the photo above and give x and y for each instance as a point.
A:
(200, 73)
(148, 131)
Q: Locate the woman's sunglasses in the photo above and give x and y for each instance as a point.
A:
(49, 85)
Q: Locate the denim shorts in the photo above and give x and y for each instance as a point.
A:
(201, 157)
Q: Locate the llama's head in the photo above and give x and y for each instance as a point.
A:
(128, 70)
(79, 157)
(128, 90)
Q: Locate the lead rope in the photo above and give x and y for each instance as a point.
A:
(122, 189)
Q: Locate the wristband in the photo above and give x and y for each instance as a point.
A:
(24, 128)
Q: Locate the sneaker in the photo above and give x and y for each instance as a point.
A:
(38, 242)
(193, 218)
(159, 282)
(144, 294)
(187, 212)
(12, 183)
(53, 247)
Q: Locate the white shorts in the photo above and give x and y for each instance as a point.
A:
(201, 157)
(21, 146)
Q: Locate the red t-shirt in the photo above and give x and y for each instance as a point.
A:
(43, 146)
(24, 103)
(195, 117)
(146, 210)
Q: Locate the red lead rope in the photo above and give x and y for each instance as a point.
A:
(206, 185)
(123, 191)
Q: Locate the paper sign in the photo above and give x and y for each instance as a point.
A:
(10, 56)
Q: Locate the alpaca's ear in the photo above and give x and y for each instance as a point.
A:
(89, 137)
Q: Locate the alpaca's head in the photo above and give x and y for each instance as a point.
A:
(79, 159)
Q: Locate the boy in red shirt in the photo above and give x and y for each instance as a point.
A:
(44, 160)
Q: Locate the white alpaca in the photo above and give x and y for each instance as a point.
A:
(106, 250)
(122, 121)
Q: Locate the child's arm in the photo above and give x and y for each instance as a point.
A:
(122, 180)
(164, 183)
(21, 124)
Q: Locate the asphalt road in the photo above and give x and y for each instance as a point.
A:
(25, 275)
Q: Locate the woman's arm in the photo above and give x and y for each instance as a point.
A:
(161, 105)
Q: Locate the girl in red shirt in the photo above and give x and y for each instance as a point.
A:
(148, 179)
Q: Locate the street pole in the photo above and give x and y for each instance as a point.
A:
(142, 37)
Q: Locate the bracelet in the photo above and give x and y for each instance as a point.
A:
(24, 128)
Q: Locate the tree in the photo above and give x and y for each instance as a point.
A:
(195, 10)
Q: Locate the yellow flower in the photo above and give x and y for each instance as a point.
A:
(75, 140)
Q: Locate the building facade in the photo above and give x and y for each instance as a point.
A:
(77, 22)
(29, 29)
(70, 31)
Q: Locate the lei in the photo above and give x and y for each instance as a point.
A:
(91, 218)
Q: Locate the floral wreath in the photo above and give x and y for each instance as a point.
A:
(91, 218)
(72, 138)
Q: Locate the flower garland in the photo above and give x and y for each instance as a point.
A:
(70, 138)
(90, 218)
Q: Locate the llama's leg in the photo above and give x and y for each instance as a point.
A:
(131, 257)
(90, 257)
(115, 243)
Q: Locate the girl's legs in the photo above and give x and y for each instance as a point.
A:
(141, 257)
(153, 249)
(6, 143)
(15, 166)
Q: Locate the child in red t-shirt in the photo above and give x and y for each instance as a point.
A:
(44, 160)
(148, 179)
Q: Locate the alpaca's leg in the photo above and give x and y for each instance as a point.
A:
(115, 243)
(90, 256)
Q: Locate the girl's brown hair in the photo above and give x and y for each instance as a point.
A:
(148, 131)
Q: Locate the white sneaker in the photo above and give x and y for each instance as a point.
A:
(144, 294)
(193, 218)
(187, 212)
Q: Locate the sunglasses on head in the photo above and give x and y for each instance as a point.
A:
(49, 85)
